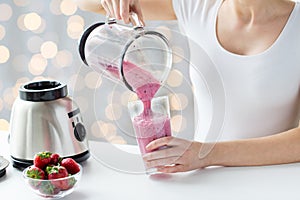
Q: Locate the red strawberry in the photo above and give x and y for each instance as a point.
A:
(71, 165)
(35, 173)
(42, 159)
(56, 172)
(55, 158)
(47, 188)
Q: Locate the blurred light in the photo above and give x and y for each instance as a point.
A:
(4, 125)
(2, 32)
(109, 130)
(74, 30)
(118, 140)
(166, 31)
(8, 97)
(41, 28)
(20, 23)
(21, 81)
(20, 63)
(63, 58)
(178, 54)
(5, 12)
(104, 130)
(34, 44)
(95, 129)
(15, 91)
(68, 7)
(49, 49)
(76, 19)
(21, 2)
(113, 112)
(128, 96)
(178, 101)
(37, 64)
(32, 21)
(93, 80)
(55, 7)
(175, 78)
(178, 123)
(39, 78)
(4, 54)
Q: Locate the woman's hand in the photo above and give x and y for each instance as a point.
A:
(120, 9)
(179, 156)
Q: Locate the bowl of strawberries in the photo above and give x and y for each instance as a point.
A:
(52, 176)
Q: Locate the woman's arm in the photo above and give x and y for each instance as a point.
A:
(90, 5)
(183, 155)
(150, 9)
(276, 149)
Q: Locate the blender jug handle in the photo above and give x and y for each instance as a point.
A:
(133, 18)
(109, 20)
(135, 21)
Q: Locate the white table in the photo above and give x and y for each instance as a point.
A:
(101, 181)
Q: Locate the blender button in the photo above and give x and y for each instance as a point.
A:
(79, 132)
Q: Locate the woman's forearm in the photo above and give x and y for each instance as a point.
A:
(90, 5)
(151, 9)
(276, 149)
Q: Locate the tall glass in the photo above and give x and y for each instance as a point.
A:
(150, 124)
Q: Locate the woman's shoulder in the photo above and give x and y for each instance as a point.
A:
(195, 8)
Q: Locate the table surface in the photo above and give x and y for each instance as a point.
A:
(116, 172)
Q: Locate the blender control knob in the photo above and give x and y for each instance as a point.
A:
(79, 132)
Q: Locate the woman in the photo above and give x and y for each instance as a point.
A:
(256, 47)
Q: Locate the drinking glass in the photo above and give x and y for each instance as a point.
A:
(150, 125)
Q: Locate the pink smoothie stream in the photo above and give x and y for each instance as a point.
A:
(149, 125)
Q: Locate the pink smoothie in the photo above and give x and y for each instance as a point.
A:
(150, 127)
(141, 81)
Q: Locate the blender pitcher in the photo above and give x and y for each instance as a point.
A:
(127, 54)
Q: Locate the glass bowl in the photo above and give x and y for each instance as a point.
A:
(55, 188)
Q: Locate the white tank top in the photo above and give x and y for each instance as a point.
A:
(237, 96)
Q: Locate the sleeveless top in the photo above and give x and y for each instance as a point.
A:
(237, 96)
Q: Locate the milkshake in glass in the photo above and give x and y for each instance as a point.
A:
(150, 124)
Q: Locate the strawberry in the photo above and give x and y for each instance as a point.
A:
(71, 165)
(55, 158)
(57, 172)
(42, 159)
(72, 182)
(48, 189)
(35, 173)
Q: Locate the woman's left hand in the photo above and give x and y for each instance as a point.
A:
(179, 156)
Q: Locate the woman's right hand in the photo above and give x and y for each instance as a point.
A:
(120, 9)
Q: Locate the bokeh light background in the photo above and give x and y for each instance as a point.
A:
(39, 40)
